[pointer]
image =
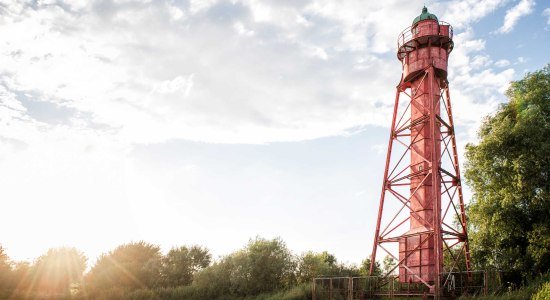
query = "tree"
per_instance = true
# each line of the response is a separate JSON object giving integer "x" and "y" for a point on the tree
{"x": 323, "y": 264}
{"x": 55, "y": 271}
{"x": 129, "y": 266}
{"x": 311, "y": 265}
{"x": 268, "y": 265}
{"x": 364, "y": 270}
{"x": 389, "y": 263}
{"x": 262, "y": 266}
{"x": 216, "y": 280}
{"x": 508, "y": 171}
{"x": 5, "y": 271}
{"x": 181, "y": 264}
{"x": 22, "y": 278}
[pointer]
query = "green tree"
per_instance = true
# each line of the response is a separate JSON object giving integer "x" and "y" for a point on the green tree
{"x": 129, "y": 266}
{"x": 262, "y": 266}
{"x": 22, "y": 276}
{"x": 324, "y": 264}
{"x": 389, "y": 263}
{"x": 508, "y": 171}
{"x": 6, "y": 273}
{"x": 57, "y": 270}
{"x": 543, "y": 293}
{"x": 364, "y": 269}
{"x": 454, "y": 260}
{"x": 268, "y": 265}
{"x": 181, "y": 264}
{"x": 311, "y": 265}
{"x": 215, "y": 280}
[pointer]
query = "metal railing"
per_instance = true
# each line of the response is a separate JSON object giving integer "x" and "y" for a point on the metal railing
{"x": 414, "y": 32}
{"x": 368, "y": 287}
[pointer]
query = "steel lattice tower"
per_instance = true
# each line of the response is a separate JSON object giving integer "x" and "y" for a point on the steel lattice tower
{"x": 422, "y": 178}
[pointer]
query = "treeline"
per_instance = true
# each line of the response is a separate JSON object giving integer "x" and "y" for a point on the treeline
{"x": 263, "y": 268}
{"x": 509, "y": 173}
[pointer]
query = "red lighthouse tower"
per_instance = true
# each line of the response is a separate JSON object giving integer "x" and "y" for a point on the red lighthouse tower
{"x": 421, "y": 208}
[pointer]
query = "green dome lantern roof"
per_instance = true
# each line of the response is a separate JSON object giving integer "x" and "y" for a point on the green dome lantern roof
{"x": 425, "y": 15}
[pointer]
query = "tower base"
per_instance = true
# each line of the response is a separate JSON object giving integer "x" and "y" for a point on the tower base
{"x": 416, "y": 250}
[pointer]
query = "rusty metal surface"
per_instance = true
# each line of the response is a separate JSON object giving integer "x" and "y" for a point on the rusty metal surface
{"x": 422, "y": 172}
{"x": 475, "y": 283}
{"x": 413, "y": 36}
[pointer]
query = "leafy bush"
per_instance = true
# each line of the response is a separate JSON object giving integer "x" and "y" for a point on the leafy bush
{"x": 543, "y": 293}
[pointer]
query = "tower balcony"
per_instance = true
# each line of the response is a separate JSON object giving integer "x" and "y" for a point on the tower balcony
{"x": 423, "y": 34}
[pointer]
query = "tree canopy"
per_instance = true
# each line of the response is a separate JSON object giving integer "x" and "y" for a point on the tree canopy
{"x": 262, "y": 266}
{"x": 5, "y": 268}
{"x": 130, "y": 266}
{"x": 138, "y": 270}
{"x": 57, "y": 269}
{"x": 508, "y": 171}
{"x": 181, "y": 264}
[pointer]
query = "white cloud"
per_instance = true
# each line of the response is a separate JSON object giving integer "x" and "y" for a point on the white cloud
{"x": 502, "y": 63}
{"x": 242, "y": 30}
{"x": 523, "y": 8}
{"x": 364, "y": 25}
{"x": 463, "y": 13}
{"x": 232, "y": 72}
{"x": 260, "y": 11}
{"x": 467, "y": 47}
{"x": 546, "y": 13}
{"x": 318, "y": 52}
{"x": 175, "y": 12}
{"x": 480, "y": 61}
{"x": 196, "y": 6}
{"x": 476, "y": 90}
{"x": 277, "y": 85}
{"x": 179, "y": 84}
{"x": 379, "y": 148}
{"x": 214, "y": 71}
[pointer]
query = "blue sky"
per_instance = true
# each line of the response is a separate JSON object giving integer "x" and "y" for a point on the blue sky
{"x": 211, "y": 122}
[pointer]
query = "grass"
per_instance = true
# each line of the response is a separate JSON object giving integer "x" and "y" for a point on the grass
{"x": 537, "y": 289}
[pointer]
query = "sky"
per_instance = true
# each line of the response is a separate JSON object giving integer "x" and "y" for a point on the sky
{"x": 212, "y": 122}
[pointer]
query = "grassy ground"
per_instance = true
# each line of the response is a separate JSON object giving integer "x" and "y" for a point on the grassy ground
{"x": 537, "y": 289}
{"x": 300, "y": 292}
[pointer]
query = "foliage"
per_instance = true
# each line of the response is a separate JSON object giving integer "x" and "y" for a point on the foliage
{"x": 181, "y": 264}
{"x": 56, "y": 274}
{"x": 5, "y": 269}
{"x": 389, "y": 263}
{"x": 535, "y": 288}
{"x": 262, "y": 266}
{"x": 543, "y": 293}
{"x": 364, "y": 270}
{"x": 454, "y": 260}
{"x": 58, "y": 269}
{"x": 509, "y": 173}
{"x": 267, "y": 266}
{"x": 311, "y": 265}
{"x": 324, "y": 264}
{"x": 21, "y": 276}
{"x": 299, "y": 292}
{"x": 228, "y": 278}
{"x": 217, "y": 279}
{"x": 129, "y": 266}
